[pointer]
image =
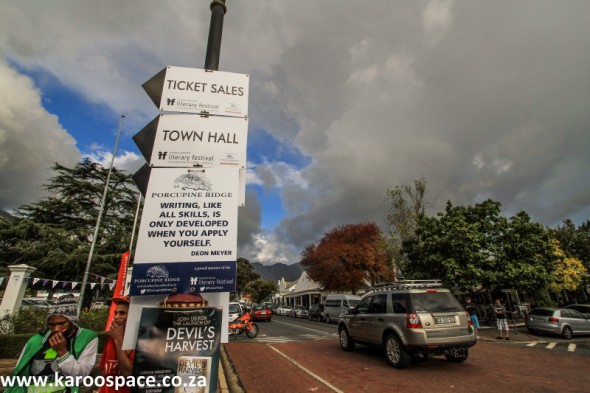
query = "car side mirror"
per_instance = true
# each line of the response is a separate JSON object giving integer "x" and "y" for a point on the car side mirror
{"x": 351, "y": 310}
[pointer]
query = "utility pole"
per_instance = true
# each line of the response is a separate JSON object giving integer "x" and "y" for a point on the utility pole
{"x": 102, "y": 203}
{"x": 218, "y": 10}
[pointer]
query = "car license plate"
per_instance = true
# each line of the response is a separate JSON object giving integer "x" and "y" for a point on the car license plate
{"x": 456, "y": 352}
{"x": 444, "y": 319}
{"x": 263, "y": 312}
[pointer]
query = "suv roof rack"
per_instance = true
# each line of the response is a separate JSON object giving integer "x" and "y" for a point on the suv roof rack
{"x": 408, "y": 284}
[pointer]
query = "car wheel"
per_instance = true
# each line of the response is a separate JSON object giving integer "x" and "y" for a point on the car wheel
{"x": 567, "y": 332}
{"x": 532, "y": 331}
{"x": 327, "y": 319}
{"x": 457, "y": 356}
{"x": 346, "y": 342}
{"x": 396, "y": 354}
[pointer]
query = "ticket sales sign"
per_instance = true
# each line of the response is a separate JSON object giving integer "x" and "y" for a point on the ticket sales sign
{"x": 195, "y": 90}
{"x": 188, "y": 140}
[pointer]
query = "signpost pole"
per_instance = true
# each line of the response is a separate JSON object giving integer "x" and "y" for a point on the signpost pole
{"x": 218, "y": 10}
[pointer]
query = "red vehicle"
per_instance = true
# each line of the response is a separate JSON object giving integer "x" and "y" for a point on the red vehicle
{"x": 244, "y": 324}
{"x": 261, "y": 313}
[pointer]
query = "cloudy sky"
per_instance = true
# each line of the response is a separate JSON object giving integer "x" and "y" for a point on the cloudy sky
{"x": 484, "y": 99}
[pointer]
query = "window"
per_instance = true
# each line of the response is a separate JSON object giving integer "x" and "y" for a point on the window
{"x": 379, "y": 304}
{"x": 363, "y": 306}
{"x": 398, "y": 301}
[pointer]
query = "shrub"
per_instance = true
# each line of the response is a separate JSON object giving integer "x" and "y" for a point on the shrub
{"x": 94, "y": 319}
{"x": 26, "y": 320}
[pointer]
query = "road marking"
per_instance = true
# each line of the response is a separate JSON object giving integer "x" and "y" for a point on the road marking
{"x": 531, "y": 344}
{"x": 302, "y": 327}
{"x": 328, "y": 384}
{"x": 571, "y": 347}
{"x": 279, "y": 339}
{"x": 551, "y": 345}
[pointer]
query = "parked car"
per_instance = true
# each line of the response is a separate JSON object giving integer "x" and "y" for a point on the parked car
{"x": 414, "y": 318}
{"x": 583, "y": 308}
{"x": 566, "y": 322}
{"x": 338, "y": 304}
{"x": 299, "y": 312}
{"x": 234, "y": 310}
{"x": 34, "y": 303}
{"x": 316, "y": 312}
{"x": 261, "y": 313}
{"x": 284, "y": 310}
{"x": 100, "y": 304}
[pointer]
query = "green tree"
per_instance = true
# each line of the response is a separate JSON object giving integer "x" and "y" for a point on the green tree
{"x": 468, "y": 246}
{"x": 525, "y": 255}
{"x": 348, "y": 258}
{"x": 245, "y": 275}
{"x": 574, "y": 241}
{"x": 55, "y": 233}
{"x": 260, "y": 290}
{"x": 406, "y": 205}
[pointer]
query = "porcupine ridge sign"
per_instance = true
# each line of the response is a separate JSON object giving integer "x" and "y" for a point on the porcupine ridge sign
{"x": 187, "y": 238}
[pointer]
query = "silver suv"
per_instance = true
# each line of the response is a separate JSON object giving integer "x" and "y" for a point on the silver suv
{"x": 411, "y": 318}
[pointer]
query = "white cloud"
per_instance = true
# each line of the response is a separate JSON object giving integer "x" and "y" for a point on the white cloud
{"x": 375, "y": 96}
{"x": 31, "y": 141}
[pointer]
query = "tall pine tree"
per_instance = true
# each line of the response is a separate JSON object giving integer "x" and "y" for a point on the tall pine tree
{"x": 54, "y": 234}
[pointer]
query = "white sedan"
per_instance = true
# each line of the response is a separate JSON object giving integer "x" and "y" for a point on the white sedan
{"x": 284, "y": 310}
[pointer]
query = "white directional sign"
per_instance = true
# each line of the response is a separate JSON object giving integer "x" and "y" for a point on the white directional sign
{"x": 189, "y": 215}
{"x": 195, "y": 90}
{"x": 184, "y": 140}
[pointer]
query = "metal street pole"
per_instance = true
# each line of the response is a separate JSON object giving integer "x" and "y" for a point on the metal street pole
{"x": 218, "y": 10}
{"x": 134, "y": 223}
{"x": 102, "y": 203}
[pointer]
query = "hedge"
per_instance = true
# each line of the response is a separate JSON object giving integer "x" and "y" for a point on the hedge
{"x": 11, "y": 345}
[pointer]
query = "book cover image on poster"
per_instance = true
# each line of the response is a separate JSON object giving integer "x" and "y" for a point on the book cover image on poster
{"x": 179, "y": 343}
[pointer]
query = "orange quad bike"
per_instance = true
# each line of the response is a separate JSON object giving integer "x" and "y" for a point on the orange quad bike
{"x": 243, "y": 324}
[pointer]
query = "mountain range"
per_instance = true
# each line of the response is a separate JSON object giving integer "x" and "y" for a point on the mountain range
{"x": 278, "y": 270}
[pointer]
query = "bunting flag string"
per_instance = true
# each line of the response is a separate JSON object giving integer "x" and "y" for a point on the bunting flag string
{"x": 57, "y": 284}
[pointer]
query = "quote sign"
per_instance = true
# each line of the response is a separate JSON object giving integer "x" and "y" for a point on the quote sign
{"x": 189, "y": 215}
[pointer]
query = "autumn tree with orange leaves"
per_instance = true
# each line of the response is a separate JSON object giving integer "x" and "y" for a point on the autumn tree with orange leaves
{"x": 348, "y": 257}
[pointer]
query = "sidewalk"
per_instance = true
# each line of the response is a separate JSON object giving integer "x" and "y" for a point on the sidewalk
{"x": 520, "y": 334}
{"x": 226, "y": 383}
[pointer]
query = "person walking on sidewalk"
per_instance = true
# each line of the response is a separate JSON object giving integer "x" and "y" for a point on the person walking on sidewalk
{"x": 501, "y": 320}
{"x": 63, "y": 349}
{"x": 472, "y": 310}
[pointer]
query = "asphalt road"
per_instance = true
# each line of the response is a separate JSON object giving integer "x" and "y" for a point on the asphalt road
{"x": 301, "y": 356}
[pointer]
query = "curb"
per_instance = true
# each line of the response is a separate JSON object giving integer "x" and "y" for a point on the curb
{"x": 229, "y": 381}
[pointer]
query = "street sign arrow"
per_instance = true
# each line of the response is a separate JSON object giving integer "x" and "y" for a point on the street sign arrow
{"x": 144, "y": 139}
{"x": 195, "y": 90}
{"x": 142, "y": 178}
{"x": 188, "y": 140}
